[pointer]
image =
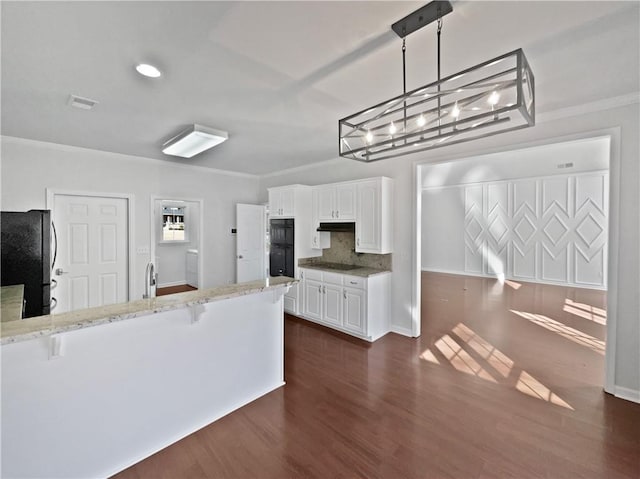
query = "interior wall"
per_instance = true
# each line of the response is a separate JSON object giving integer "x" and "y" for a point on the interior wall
{"x": 592, "y": 121}
{"x": 29, "y": 167}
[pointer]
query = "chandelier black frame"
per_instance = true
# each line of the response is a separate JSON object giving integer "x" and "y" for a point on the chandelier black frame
{"x": 493, "y": 97}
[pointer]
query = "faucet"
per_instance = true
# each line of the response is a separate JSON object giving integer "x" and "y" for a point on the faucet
{"x": 150, "y": 279}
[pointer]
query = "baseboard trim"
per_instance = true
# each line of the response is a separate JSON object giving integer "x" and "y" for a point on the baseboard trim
{"x": 401, "y": 331}
{"x": 520, "y": 280}
{"x": 627, "y": 394}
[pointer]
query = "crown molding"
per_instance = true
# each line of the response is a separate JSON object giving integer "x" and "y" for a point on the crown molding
{"x": 61, "y": 147}
{"x": 591, "y": 107}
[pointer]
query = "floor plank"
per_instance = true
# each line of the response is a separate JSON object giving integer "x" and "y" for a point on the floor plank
{"x": 182, "y": 288}
{"x": 505, "y": 381}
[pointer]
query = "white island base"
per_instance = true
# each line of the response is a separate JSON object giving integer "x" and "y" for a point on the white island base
{"x": 121, "y": 391}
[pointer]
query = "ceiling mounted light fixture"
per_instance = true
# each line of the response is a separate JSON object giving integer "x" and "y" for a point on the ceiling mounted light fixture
{"x": 148, "y": 70}
{"x": 493, "y": 97}
{"x": 193, "y": 140}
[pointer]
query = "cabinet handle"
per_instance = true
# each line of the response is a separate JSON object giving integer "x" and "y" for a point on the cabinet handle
{"x": 358, "y": 241}
{"x": 353, "y": 282}
{"x": 315, "y": 239}
{"x": 324, "y": 290}
{"x": 301, "y": 275}
{"x": 344, "y": 293}
{"x": 333, "y": 214}
{"x": 337, "y": 214}
{"x": 320, "y": 289}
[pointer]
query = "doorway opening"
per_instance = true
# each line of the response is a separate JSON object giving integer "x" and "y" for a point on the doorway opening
{"x": 513, "y": 266}
{"x": 176, "y": 244}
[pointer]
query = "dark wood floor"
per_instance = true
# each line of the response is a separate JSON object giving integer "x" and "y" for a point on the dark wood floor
{"x": 182, "y": 288}
{"x": 505, "y": 381}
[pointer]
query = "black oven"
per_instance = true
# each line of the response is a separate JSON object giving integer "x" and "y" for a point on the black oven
{"x": 281, "y": 252}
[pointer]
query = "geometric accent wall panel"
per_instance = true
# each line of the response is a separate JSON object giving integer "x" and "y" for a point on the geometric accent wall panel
{"x": 551, "y": 229}
{"x": 474, "y": 229}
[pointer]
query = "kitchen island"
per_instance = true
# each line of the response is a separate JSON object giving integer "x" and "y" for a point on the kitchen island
{"x": 89, "y": 393}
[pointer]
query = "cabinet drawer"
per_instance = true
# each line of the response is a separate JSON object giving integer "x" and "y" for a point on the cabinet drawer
{"x": 313, "y": 274}
{"x": 332, "y": 278}
{"x": 355, "y": 282}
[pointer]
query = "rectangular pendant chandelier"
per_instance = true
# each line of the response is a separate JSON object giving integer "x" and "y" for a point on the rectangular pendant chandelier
{"x": 490, "y": 98}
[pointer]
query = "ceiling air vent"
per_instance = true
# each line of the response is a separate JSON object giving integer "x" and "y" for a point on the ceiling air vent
{"x": 81, "y": 102}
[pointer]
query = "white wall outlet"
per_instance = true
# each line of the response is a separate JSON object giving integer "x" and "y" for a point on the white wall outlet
{"x": 142, "y": 250}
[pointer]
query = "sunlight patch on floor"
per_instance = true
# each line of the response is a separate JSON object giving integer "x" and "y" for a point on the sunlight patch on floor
{"x": 460, "y": 359}
{"x": 498, "y": 365}
{"x": 585, "y": 311}
{"x": 565, "y": 331}
{"x": 500, "y": 362}
{"x": 530, "y": 386}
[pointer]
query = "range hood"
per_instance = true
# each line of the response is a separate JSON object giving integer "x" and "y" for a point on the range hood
{"x": 339, "y": 227}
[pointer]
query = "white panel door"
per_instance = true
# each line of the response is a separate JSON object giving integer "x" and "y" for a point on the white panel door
{"x": 92, "y": 264}
{"x": 250, "y": 243}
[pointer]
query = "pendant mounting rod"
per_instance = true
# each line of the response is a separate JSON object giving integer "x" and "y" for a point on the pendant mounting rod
{"x": 422, "y": 17}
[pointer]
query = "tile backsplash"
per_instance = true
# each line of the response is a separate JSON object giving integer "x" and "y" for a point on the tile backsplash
{"x": 342, "y": 251}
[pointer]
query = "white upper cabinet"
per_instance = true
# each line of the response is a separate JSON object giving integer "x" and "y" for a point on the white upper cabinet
{"x": 374, "y": 222}
{"x": 319, "y": 239}
{"x": 282, "y": 202}
{"x": 336, "y": 202}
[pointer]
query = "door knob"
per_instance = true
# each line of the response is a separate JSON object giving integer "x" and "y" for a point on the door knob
{"x": 60, "y": 271}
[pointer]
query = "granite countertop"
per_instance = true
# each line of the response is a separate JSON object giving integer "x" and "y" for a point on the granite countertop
{"x": 353, "y": 270}
{"x": 11, "y": 301}
{"x": 31, "y": 328}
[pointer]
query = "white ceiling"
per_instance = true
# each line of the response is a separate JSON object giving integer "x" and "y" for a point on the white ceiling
{"x": 278, "y": 75}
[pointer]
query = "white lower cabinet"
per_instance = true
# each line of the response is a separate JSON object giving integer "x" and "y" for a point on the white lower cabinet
{"x": 312, "y": 299}
{"x": 353, "y": 310}
{"x": 355, "y": 305}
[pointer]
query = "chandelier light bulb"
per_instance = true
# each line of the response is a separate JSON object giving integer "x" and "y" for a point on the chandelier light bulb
{"x": 392, "y": 128}
{"x": 369, "y": 136}
{"x": 421, "y": 121}
{"x": 494, "y": 98}
{"x": 456, "y": 111}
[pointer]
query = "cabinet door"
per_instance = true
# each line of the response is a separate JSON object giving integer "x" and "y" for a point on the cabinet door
{"x": 353, "y": 310}
{"x": 368, "y": 218}
{"x": 287, "y": 202}
{"x": 313, "y": 299}
{"x": 326, "y": 203}
{"x": 346, "y": 202}
{"x": 332, "y": 304}
{"x": 274, "y": 203}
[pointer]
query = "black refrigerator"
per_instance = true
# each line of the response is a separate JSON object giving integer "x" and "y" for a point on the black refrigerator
{"x": 281, "y": 253}
{"x": 27, "y": 257}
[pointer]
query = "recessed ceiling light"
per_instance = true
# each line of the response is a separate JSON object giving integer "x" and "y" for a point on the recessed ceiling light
{"x": 148, "y": 70}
